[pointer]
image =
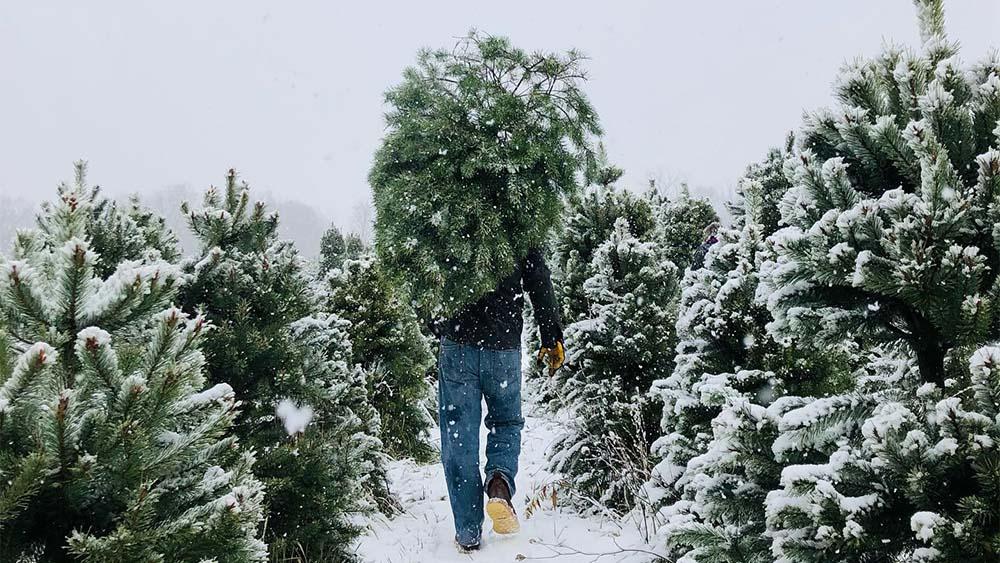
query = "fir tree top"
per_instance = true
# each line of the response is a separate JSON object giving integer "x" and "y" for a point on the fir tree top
{"x": 334, "y": 248}
{"x": 116, "y": 232}
{"x": 760, "y": 190}
{"x": 482, "y": 141}
{"x": 57, "y": 284}
{"x": 589, "y": 220}
{"x": 226, "y": 220}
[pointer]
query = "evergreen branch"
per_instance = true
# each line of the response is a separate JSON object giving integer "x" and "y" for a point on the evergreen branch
{"x": 930, "y": 13}
{"x": 23, "y": 486}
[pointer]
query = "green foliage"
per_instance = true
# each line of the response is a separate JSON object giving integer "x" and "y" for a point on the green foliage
{"x": 128, "y": 232}
{"x": 588, "y": 222}
{"x": 266, "y": 341}
{"x": 682, "y": 222}
{"x": 113, "y": 452}
{"x": 483, "y": 140}
{"x": 250, "y": 286}
{"x": 395, "y": 355}
{"x": 613, "y": 356}
{"x": 891, "y": 219}
{"x": 715, "y": 462}
{"x": 116, "y": 232}
{"x": 338, "y": 449}
{"x": 891, "y": 244}
{"x": 760, "y": 190}
{"x": 909, "y": 475}
{"x": 335, "y": 248}
{"x": 606, "y": 174}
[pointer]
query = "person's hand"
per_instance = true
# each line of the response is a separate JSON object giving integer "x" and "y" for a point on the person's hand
{"x": 552, "y": 357}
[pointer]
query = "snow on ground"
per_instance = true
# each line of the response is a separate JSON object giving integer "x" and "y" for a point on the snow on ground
{"x": 425, "y": 532}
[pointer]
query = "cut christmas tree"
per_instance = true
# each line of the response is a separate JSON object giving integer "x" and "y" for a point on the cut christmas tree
{"x": 483, "y": 141}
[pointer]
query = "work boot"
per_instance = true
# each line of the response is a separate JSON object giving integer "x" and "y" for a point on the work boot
{"x": 467, "y": 548}
{"x": 467, "y": 540}
{"x": 499, "y": 507}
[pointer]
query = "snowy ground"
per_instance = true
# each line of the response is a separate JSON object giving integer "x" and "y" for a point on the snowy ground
{"x": 425, "y": 532}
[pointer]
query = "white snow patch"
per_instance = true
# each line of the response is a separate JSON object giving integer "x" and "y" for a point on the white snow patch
{"x": 96, "y": 335}
{"x": 295, "y": 417}
{"x": 220, "y": 392}
{"x": 923, "y": 524}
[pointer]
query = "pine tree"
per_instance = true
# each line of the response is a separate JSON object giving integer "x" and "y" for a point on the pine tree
{"x": 389, "y": 346}
{"x": 128, "y": 232}
{"x": 334, "y": 449}
{"x": 334, "y": 248}
{"x": 912, "y": 470}
{"x": 589, "y": 221}
{"x": 118, "y": 232}
{"x": 113, "y": 449}
{"x": 715, "y": 456}
{"x": 251, "y": 286}
{"x": 760, "y": 190}
{"x": 681, "y": 222}
{"x": 890, "y": 221}
{"x": 613, "y": 357}
{"x": 483, "y": 141}
{"x": 891, "y": 242}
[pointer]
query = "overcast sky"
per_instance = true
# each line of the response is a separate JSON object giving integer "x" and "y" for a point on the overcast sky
{"x": 290, "y": 93}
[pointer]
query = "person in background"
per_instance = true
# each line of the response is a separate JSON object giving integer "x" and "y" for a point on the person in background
{"x": 480, "y": 359}
{"x": 711, "y": 237}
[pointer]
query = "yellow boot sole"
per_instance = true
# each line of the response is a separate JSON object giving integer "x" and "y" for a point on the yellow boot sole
{"x": 502, "y": 514}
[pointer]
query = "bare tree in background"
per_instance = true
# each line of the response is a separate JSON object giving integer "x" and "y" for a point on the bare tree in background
{"x": 15, "y": 213}
{"x": 363, "y": 220}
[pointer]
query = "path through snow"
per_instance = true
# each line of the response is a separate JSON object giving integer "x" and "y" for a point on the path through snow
{"x": 424, "y": 532}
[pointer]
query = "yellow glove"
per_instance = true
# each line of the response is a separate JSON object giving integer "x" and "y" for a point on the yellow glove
{"x": 552, "y": 357}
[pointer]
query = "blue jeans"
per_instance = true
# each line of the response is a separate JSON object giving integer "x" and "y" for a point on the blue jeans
{"x": 466, "y": 375}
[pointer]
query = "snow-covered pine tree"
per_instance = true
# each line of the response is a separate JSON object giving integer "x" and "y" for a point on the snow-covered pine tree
{"x": 892, "y": 238}
{"x": 762, "y": 187}
{"x": 890, "y": 222}
{"x": 613, "y": 357}
{"x": 390, "y": 347}
{"x": 113, "y": 450}
{"x": 333, "y": 432}
{"x": 483, "y": 141}
{"x": 715, "y": 462}
{"x": 118, "y": 232}
{"x": 912, "y": 471}
{"x": 681, "y": 223}
{"x": 588, "y": 222}
{"x": 121, "y": 232}
{"x": 334, "y": 248}
{"x": 251, "y": 286}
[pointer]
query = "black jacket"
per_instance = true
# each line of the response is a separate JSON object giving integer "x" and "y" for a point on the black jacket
{"x": 494, "y": 321}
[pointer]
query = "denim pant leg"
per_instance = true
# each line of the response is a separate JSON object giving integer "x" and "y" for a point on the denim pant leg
{"x": 501, "y": 383}
{"x": 460, "y": 400}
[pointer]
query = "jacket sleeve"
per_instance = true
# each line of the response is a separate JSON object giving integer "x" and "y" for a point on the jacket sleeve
{"x": 538, "y": 283}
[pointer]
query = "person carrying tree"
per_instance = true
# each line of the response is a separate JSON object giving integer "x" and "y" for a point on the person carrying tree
{"x": 484, "y": 143}
{"x": 481, "y": 359}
